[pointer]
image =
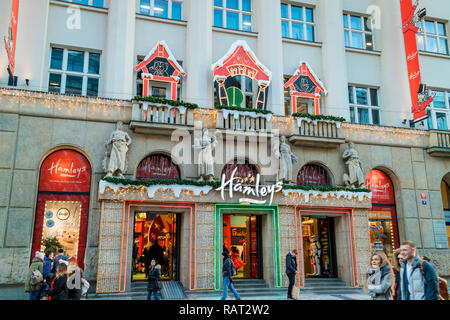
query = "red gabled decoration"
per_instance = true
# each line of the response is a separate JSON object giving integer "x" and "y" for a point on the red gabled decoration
{"x": 160, "y": 65}
{"x": 305, "y": 84}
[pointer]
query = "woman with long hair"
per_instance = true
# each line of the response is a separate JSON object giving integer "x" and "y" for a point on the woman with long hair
{"x": 396, "y": 263}
{"x": 154, "y": 277}
{"x": 380, "y": 277}
{"x": 58, "y": 289}
{"x": 75, "y": 274}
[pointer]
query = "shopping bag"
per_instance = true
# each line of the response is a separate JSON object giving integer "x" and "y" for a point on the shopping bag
{"x": 296, "y": 292}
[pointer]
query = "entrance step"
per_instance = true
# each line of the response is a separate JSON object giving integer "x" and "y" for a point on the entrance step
{"x": 328, "y": 286}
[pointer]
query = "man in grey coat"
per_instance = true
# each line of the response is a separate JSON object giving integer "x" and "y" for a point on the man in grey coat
{"x": 416, "y": 283}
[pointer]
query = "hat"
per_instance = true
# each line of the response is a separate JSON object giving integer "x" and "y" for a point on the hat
{"x": 39, "y": 255}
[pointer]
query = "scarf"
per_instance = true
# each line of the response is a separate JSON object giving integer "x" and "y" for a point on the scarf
{"x": 374, "y": 276}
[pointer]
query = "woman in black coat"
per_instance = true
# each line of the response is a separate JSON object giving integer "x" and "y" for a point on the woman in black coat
{"x": 58, "y": 289}
{"x": 154, "y": 276}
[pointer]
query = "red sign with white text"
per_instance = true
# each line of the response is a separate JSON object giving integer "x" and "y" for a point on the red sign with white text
{"x": 10, "y": 42}
{"x": 65, "y": 171}
{"x": 381, "y": 186}
{"x": 412, "y": 59}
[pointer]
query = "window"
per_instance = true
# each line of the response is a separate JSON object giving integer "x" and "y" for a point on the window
{"x": 313, "y": 175}
{"x": 246, "y": 85}
{"x": 304, "y": 105}
{"x": 364, "y": 106}
{"x": 358, "y": 33}
{"x": 74, "y": 72}
{"x": 93, "y": 3}
{"x": 245, "y": 170}
{"x": 297, "y": 22}
{"x": 169, "y": 9}
{"x": 432, "y": 37}
{"x": 157, "y": 166}
{"x": 439, "y": 110}
{"x": 233, "y": 14}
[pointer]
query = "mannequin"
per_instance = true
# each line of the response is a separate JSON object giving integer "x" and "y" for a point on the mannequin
{"x": 316, "y": 253}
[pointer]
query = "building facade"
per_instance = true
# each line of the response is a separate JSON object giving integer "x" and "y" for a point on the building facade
{"x": 80, "y": 70}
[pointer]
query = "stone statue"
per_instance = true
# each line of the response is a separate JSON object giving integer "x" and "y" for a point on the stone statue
{"x": 355, "y": 177}
{"x": 315, "y": 252}
{"x": 119, "y": 141}
{"x": 285, "y": 155}
{"x": 205, "y": 157}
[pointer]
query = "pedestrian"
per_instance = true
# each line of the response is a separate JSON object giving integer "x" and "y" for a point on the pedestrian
{"x": 154, "y": 276}
{"x": 397, "y": 259}
{"x": 291, "y": 270}
{"x": 58, "y": 288}
{"x": 75, "y": 283}
{"x": 228, "y": 271}
{"x": 34, "y": 279}
{"x": 443, "y": 286}
{"x": 414, "y": 283}
{"x": 380, "y": 277}
{"x": 48, "y": 263}
{"x": 58, "y": 258}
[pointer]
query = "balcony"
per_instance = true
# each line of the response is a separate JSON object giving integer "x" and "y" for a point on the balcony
{"x": 160, "y": 119}
{"x": 439, "y": 145}
{"x": 317, "y": 133}
{"x": 246, "y": 123}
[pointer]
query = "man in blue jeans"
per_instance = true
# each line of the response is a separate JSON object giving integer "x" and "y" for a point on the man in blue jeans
{"x": 227, "y": 272}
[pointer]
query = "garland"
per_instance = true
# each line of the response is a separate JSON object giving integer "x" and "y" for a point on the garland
{"x": 324, "y": 188}
{"x": 174, "y": 103}
{"x": 318, "y": 117}
{"x": 148, "y": 183}
{"x": 244, "y": 109}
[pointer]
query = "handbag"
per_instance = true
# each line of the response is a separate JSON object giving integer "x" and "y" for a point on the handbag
{"x": 296, "y": 292}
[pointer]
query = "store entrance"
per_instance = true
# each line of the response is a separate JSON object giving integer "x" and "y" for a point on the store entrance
{"x": 242, "y": 238}
{"x": 319, "y": 250}
{"x": 156, "y": 237}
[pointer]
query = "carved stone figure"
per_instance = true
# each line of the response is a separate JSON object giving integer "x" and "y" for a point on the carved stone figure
{"x": 205, "y": 157}
{"x": 286, "y": 156}
{"x": 355, "y": 176}
{"x": 119, "y": 141}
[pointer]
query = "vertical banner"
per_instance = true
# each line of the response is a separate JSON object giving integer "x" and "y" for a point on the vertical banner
{"x": 412, "y": 59}
{"x": 10, "y": 41}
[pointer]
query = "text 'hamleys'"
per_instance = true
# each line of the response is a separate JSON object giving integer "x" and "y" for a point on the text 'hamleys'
{"x": 66, "y": 171}
{"x": 235, "y": 184}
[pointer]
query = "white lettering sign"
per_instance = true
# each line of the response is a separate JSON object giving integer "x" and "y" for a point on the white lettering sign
{"x": 66, "y": 172}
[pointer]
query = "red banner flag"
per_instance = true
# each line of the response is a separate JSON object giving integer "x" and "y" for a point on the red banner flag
{"x": 10, "y": 42}
{"x": 155, "y": 230}
{"x": 412, "y": 59}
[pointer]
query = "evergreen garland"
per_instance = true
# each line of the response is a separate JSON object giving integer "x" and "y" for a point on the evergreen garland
{"x": 243, "y": 109}
{"x": 174, "y": 103}
{"x": 318, "y": 117}
{"x": 149, "y": 183}
{"x": 324, "y": 188}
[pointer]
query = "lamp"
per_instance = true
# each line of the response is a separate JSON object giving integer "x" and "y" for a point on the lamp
{"x": 421, "y": 13}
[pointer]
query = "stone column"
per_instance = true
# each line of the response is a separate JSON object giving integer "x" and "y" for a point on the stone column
{"x": 267, "y": 15}
{"x": 199, "y": 80}
{"x": 120, "y": 55}
{"x": 396, "y": 99}
{"x": 334, "y": 58}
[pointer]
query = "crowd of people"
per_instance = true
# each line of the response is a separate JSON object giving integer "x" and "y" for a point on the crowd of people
{"x": 57, "y": 277}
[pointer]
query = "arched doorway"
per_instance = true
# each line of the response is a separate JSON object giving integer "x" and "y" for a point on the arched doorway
{"x": 445, "y": 194}
{"x": 63, "y": 204}
{"x": 382, "y": 216}
{"x": 157, "y": 167}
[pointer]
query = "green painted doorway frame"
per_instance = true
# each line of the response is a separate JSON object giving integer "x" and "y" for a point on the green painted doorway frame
{"x": 218, "y": 236}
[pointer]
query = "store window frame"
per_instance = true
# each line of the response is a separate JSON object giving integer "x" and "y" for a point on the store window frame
{"x": 423, "y": 35}
{"x": 304, "y": 22}
{"x": 366, "y": 32}
{"x": 371, "y": 106}
{"x": 434, "y": 110}
{"x": 64, "y": 71}
{"x": 148, "y": 8}
{"x": 90, "y": 3}
{"x": 221, "y": 6}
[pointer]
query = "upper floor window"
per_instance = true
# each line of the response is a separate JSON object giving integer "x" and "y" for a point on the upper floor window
{"x": 233, "y": 14}
{"x": 169, "y": 9}
{"x": 297, "y": 22}
{"x": 74, "y": 72}
{"x": 245, "y": 171}
{"x": 358, "y": 33}
{"x": 364, "y": 106}
{"x": 313, "y": 175}
{"x": 157, "y": 167}
{"x": 93, "y": 3}
{"x": 438, "y": 113}
{"x": 432, "y": 37}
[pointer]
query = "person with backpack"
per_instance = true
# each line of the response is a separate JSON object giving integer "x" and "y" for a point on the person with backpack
{"x": 443, "y": 286}
{"x": 48, "y": 262}
{"x": 58, "y": 259}
{"x": 379, "y": 277}
{"x": 154, "y": 276}
{"x": 228, "y": 271}
{"x": 418, "y": 278}
{"x": 291, "y": 270}
{"x": 34, "y": 278}
{"x": 58, "y": 288}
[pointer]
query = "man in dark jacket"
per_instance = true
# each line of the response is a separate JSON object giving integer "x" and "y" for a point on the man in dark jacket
{"x": 227, "y": 272}
{"x": 48, "y": 260}
{"x": 291, "y": 270}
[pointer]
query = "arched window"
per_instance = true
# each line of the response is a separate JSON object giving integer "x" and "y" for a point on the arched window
{"x": 313, "y": 175}
{"x": 382, "y": 216}
{"x": 63, "y": 204}
{"x": 157, "y": 166}
{"x": 245, "y": 171}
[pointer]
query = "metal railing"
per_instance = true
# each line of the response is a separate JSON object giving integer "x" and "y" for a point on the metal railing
{"x": 244, "y": 121}
{"x": 162, "y": 114}
{"x": 318, "y": 128}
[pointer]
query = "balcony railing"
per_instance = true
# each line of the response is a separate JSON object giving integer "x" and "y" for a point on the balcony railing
{"x": 439, "y": 144}
{"x": 157, "y": 118}
{"x": 244, "y": 121}
{"x": 317, "y": 133}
